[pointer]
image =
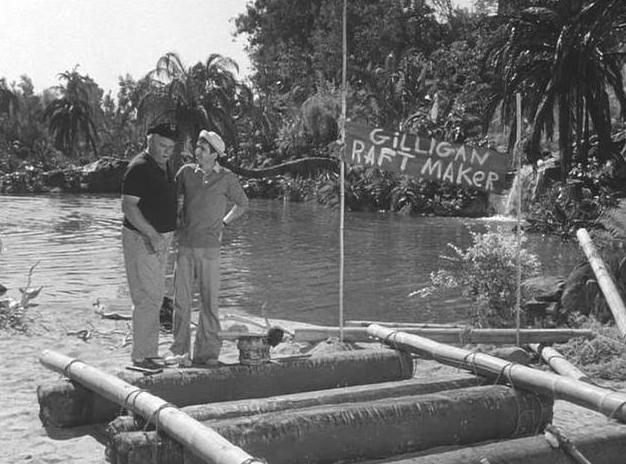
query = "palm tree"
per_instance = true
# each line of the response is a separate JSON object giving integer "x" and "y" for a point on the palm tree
{"x": 204, "y": 96}
{"x": 9, "y": 101}
{"x": 70, "y": 116}
{"x": 563, "y": 57}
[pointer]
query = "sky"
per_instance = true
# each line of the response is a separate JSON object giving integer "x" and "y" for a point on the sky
{"x": 112, "y": 38}
{"x": 109, "y": 38}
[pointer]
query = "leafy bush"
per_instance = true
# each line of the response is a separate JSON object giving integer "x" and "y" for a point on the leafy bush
{"x": 487, "y": 273}
{"x": 562, "y": 209}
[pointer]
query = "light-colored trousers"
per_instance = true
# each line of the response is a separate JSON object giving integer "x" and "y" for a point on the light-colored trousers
{"x": 145, "y": 271}
{"x": 201, "y": 265}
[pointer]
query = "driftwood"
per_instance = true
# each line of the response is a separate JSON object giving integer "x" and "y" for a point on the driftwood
{"x": 351, "y": 431}
{"x": 605, "y": 281}
{"x": 359, "y": 393}
{"x": 604, "y": 446}
{"x": 458, "y": 336}
{"x": 558, "y": 363}
{"x": 64, "y": 404}
{"x": 608, "y": 402}
{"x": 203, "y": 442}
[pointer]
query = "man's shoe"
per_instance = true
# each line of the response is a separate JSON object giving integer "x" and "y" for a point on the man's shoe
{"x": 148, "y": 363}
{"x": 181, "y": 360}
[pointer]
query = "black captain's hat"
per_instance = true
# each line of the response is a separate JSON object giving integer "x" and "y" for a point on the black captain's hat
{"x": 164, "y": 129}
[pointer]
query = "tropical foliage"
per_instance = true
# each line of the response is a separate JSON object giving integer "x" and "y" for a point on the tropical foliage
{"x": 563, "y": 57}
{"x": 420, "y": 66}
{"x": 487, "y": 272}
{"x": 71, "y": 116}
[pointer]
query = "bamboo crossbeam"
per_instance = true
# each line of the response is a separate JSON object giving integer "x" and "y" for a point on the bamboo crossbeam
{"x": 605, "y": 281}
{"x": 608, "y": 402}
{"x": 461, "y": 336}
{"x": 558, "y": 363}
{"x": 199, "y": 439}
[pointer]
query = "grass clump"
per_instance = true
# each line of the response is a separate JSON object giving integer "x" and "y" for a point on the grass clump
{"x": 603, "y": 356}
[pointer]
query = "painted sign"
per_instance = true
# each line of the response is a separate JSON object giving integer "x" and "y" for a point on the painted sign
{"x": 425, "y": 157}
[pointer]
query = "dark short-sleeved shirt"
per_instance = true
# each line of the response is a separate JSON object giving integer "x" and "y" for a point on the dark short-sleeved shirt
{"x": 156, "y": 190}
{"x": 206, "y": 196}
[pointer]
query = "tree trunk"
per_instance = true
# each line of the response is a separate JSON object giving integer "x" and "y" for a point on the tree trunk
{"x": 303, "y": 166}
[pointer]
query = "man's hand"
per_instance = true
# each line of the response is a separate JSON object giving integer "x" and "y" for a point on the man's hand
{"x": 156, "y": 243}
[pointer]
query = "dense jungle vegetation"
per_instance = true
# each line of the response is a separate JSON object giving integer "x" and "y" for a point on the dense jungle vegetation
{"x": 412, "y": 65}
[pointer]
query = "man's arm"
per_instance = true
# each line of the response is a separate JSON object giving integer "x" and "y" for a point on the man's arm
{"x": 235, "y": 212}
{"x": 238, "y": 196}
{"x": 130, "y": 208}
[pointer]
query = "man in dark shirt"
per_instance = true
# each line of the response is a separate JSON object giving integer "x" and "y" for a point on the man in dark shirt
{"x": 149, "y": 204}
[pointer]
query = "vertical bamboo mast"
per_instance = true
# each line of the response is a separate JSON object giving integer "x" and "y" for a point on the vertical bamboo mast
{"x": 342, "y": 164}
{"x": 518, "y": 231}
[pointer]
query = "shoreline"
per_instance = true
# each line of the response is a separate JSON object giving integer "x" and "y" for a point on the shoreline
{"x": 26, "y": 440}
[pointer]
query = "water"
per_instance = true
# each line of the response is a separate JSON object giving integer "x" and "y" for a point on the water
{"x": 283, "y": 255}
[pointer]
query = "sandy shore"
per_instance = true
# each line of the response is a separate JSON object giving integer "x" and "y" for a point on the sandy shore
{"x": 25, "y": 440}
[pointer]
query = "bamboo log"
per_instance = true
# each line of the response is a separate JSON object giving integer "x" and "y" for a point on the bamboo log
{"x": 605, "y": 281}
{"x": 354, "y": 394}
{"x": 461, "y": 336}
{"x": 62, "y": 404}
{"x": 351, "y": 431}
{"x": 558, "y": 363}
{"x": 604, "y": 446}
{"x": 420, "y": 325}
{"x": 203, "y": 442}
{"x": 608, "y": 402}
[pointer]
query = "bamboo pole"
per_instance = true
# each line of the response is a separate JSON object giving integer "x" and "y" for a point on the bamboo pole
{"x": 421, "y": 325}
{"x": 342, "y": 163}
{"x": 608, "y": 402}
{"x": 199, "y": 439}
{"x": 558, "y": 363}
{"x": 518, "y": 231}
{"x": 605, "y": 281}
{"x": 460, "y": 336}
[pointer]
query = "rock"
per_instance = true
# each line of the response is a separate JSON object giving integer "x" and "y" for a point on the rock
{"x": 103, "y": 175}
{"x": 575, "y": 297}
{"x": 544, "y": 288}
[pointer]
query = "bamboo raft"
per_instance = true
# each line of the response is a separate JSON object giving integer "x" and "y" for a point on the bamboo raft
{"x": 349, "y": 406}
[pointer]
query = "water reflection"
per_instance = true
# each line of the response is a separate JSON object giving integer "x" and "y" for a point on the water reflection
{"x": 283, "y": 254}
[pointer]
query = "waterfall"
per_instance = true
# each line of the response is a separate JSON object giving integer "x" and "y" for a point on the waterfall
{"x": 505, "y": 204}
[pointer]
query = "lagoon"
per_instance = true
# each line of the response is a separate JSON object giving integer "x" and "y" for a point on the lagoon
{"x": 281, "y": 255}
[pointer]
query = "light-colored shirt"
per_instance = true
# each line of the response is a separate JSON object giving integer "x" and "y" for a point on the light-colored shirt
{"x": 206, "y": 195}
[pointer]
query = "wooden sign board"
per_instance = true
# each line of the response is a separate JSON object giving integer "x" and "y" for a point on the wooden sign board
{"x": 425, "y": 157}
